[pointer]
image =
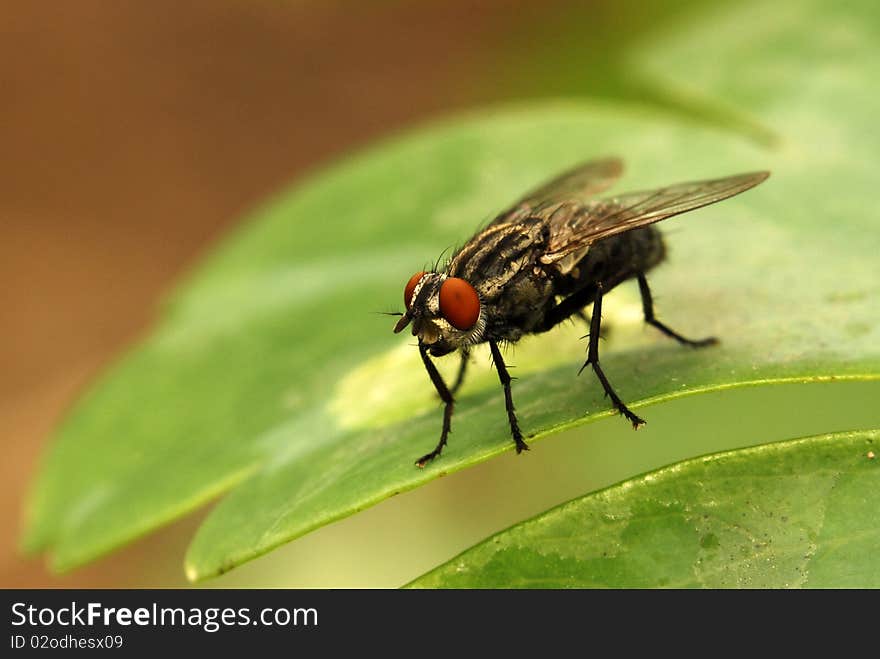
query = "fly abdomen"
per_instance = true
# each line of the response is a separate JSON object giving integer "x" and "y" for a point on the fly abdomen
{"x": 616, "y": 259}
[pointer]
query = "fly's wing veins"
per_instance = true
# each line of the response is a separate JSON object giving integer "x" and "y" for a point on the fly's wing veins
{"x": 574, "y": 227}
{"x": 574, "y": 186}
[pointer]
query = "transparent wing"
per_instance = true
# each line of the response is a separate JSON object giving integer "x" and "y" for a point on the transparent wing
{"x": 576, "y": 226}
{"x": 576, "y": 186}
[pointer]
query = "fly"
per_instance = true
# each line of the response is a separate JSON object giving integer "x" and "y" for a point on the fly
{"x": 542, "y": 261}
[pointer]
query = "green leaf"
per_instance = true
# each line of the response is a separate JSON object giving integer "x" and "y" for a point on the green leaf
{"x": 792, "y": 514}
{"x": 271, "y": 373}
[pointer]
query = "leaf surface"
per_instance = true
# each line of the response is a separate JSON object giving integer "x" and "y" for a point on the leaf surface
{"x": 270, "y": 374}
{"x": 790, "y": 514}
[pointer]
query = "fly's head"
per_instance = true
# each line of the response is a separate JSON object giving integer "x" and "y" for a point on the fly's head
{"x": 445, "y": 312}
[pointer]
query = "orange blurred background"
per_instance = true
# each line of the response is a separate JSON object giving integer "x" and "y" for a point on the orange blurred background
{"x": 134, "y": 134}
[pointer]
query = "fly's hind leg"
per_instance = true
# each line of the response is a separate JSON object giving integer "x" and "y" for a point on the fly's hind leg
{"x": 648, "y": 308}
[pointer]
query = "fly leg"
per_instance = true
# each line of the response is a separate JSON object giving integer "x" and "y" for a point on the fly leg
{"x": 573, "y": 305}
{"x": 584, "y": 317}
{"x": 462, "y": 368}
{"x": 505, "y": 378}
{"x": 445, "y": 396}
{"x": 593, "y": 360}
{"x": 648, "y": 308}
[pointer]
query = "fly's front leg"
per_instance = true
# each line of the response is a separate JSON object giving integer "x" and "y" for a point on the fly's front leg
{"x": 448, "y": 401}
{"x": 505, "y": 378}
{"x": 648, "y": 308}
{"x": 462, "y": 368}
{"x": 593, "y": 360}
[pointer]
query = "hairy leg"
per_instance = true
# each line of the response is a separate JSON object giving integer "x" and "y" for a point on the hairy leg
{"x": 462, "y": 368}
{"x": 593, "y": 360}
{"x": 648, "y": 308}
{"x": 448, "y": 402}
{"x": 505, "y": 378}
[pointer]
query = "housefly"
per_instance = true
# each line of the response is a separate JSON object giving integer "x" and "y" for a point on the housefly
{"x": 542, "y": 261}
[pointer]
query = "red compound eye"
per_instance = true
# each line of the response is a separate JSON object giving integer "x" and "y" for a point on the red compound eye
{"x": 410, "y": 288}
{"x": 459, "y": 303}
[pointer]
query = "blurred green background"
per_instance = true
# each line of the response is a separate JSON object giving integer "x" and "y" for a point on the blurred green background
{"x": 134, "y": 135}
